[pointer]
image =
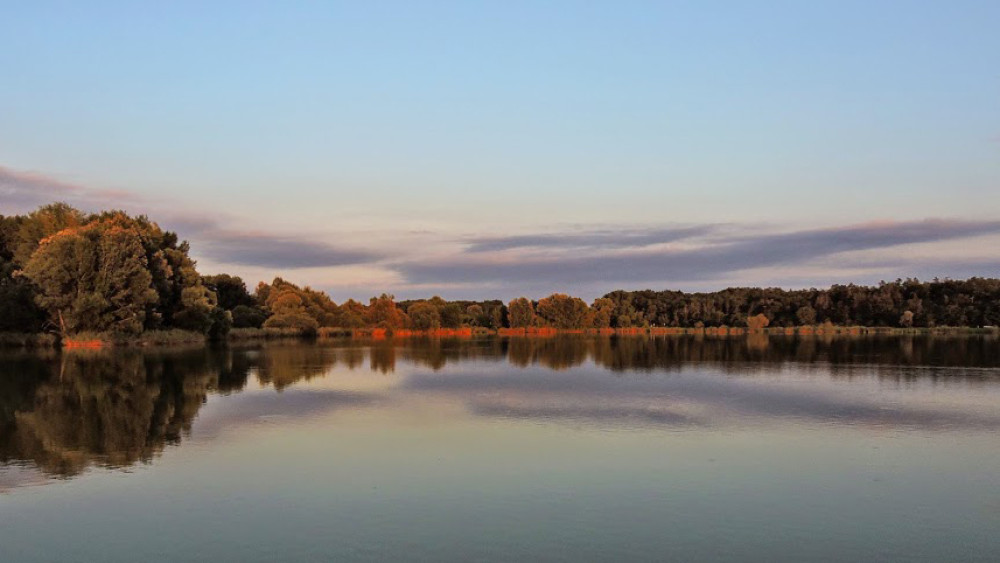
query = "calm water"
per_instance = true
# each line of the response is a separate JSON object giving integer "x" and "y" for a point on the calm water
{"x": 562, "y": 449}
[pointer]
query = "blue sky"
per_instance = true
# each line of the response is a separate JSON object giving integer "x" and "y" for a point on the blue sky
{"x": 376, "y": 145}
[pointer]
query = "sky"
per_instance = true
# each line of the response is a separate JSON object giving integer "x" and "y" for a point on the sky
{"x": 498, "y": 149}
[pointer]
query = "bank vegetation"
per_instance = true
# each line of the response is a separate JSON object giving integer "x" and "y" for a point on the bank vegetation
{"x": 112, "y": 278}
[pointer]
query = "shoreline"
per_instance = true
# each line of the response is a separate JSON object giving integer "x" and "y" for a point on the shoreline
{"x": 178, "y": 337}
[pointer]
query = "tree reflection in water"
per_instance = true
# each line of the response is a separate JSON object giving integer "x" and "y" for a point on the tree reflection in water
{"x": 65, "y": 412}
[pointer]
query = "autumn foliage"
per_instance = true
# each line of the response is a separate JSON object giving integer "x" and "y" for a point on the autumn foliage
{"x": 65, "y": 271}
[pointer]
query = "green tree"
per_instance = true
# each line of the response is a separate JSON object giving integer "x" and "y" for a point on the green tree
{"x": 287, "y": 307}
{"x": 424, "y": 316}
{"x": 244, "y": 316}
{"x": 521, "y": 313}
{"x": 39, "y": 224}
{"x": 451, "y": 315}
{"x": 93, "y": 278}
{"x": 602, "y": 309}
{"x": 477, "y": 315}
{"x": 382, "y": 312}
{"x": 198, "y": 311}
{"x": 230, "y": 291}
{"x": 180, "y": 292}
{"x": 352, "y": 314}
{"x": 285, "y": 298}
{"x": 806, "y": 315}
{"x": 498, "y": 315}
{"x": 293, "y": 319}
{"x": 563, "y": 311}
{"x": 18, "y": 310}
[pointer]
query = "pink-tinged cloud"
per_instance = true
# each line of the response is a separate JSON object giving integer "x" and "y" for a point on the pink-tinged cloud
{"x": 22, "y": 192}
{"x": 587, "y": 262}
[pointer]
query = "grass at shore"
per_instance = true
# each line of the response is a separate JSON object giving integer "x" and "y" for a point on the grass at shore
{"x": 28, "y": 340}
{"x": 240, "y": 334}
{"x": 822, "y": 330}
{"x": 148, "y": 338}
{"x": 182, "y": 337}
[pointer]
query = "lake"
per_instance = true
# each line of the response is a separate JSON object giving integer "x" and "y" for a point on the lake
{"x": 569, "y": 448}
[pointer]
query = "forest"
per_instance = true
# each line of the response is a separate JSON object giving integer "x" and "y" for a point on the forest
{"x": 66, "y": 272}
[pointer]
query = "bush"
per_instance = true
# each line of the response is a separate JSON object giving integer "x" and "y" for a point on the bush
{"x": 248, "y": 317}
{"x": 294, "y": 320}
{"x": 28, "y": 340}
{"x": 265, "y": 333}
{"x": 334, "y": 332}
{"x": 222, "y": 323}
{"x": 148, "y": 338}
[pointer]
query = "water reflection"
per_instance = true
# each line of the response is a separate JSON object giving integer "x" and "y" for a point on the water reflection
{"x": 62, "y": 413}
{"x": 65, "y": 413}
{"x": 627, "y": 353}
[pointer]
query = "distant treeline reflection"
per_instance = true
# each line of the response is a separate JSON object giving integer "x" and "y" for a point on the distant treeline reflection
{"x": 638, "y": 353}
{"x": 65, "y": 412}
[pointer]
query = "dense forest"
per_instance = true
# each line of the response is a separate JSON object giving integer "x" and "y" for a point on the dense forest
{"x": 67, "y": 272}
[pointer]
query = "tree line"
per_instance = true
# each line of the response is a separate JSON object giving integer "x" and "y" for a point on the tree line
{"x": 974, "y": 302}
{"x": 66, "y": 271}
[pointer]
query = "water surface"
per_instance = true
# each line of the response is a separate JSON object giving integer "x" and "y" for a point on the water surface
{"x": 562, "y": 449}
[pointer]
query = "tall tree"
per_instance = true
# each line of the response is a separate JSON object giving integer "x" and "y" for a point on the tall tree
{"x": 230, "y": 291}
{"x": 563, "y": 311}
{"x": 602, "y": 309}
{"x": 287, "y": 307}
{"x": 94, "y": 277}
{"x": 382, "y": 312}
{"x": 521, "y": 313}
{"x": 806, "y": 315}
{"x": 182, "y": 301}
{"x": 18, "y": 310}
{"x": 41, "y": 223}
{"x": 424, "y": 316}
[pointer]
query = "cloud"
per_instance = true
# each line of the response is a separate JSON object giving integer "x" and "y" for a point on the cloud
{"x": 276, "y": 251}
{"x": 584, "y": 262}
{"x": 22, "y": 192}
{"x": 591, "y": 239}
{"x": 690, "y": 264}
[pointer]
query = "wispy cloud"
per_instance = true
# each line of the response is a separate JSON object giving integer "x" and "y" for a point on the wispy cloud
{"x": 588, "y": 262}
{"x": 275, "y": 251}
{"x": 688, "y": 264}
{"x": 609, "y": 238}
{"x": 21, "y": 192}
